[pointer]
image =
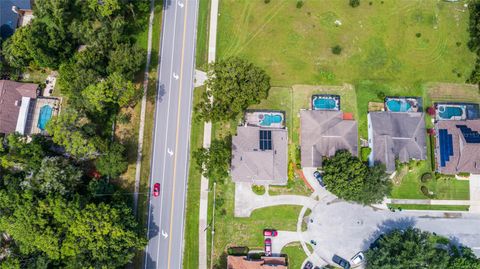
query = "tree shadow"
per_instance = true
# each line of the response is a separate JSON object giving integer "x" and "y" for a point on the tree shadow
{"x": 386, "y": 227}
{"x": 152, "y": 231}
{"x": 221, "y": 261}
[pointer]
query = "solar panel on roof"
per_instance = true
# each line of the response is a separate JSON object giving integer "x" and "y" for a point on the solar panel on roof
{"x": 265, "y": 140}
{"x": 446, "y": 146}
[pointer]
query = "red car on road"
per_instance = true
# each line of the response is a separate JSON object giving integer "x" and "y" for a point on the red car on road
{"x": 270, "y": 232}
{"x": 268, "y": 247}
{"x": 156, "y": 189}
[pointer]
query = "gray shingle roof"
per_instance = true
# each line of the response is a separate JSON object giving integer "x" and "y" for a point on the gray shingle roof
{"x": 250, "y": 164}
{"x": 8, "y": 18}
{"x": 396, "y": 135}
{"x": 325, "y": 132}
{"x": 11, "y": 94}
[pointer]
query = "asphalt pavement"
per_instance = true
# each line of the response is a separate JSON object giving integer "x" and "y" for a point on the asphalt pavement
{"x": 169, "y": 165}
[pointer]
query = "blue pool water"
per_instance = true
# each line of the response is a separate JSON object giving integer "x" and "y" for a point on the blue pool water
{"x": 268, "y": 119}
{"x": 398, "y": 106}
{"x": 44, "y": 116}
{"x": 448, "y": 112}
{"x": 324, "y": 104}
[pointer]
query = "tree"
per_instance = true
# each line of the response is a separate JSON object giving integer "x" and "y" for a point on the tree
{"x": 111, "y": 93}
{"x": 349, "y": 178}
{"x": 412, "y": 248}
{"x": 67, "y": 131}
{"x": 126, "y": 59}
{"x": 234, "y": 85}
{"x": 55, "y": 175}
{"x": 354, "y": 3}
{"x": 214, "y": 162}
{"x": 105, "y": 7}
{"x": 19, "y": 153}
{"x": 112, "y": 163}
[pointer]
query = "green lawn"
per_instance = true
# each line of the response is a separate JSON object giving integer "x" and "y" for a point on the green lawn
{"x": 231, "y": 231}
{"x": 295, "y": 255}
{"x": 190, "y": 259}
{"x": 431, "y": 207}
{"x": 379, "y": 41}
{"x": 201, "y": 54}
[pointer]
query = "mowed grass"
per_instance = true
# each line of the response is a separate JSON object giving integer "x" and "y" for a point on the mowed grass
{"x": 201, "y": 54}
{"x": 397, "y": 41}
{"x": 232, "y": 231}
{"x": 190, "y": 259}
{"x": 295, "y": 255}
{"x": 431, "y": 207}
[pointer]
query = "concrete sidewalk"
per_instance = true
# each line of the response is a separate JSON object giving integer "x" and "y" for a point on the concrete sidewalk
{"x": 246, "y": 200}
{"x": 207, "y": 137}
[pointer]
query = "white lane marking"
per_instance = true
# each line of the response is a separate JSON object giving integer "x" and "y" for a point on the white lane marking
{"x": 164, "y": 234}
{"x": 175, "y": 76}
{"x": 180, "y": 4}
{"x": 170, "y": 152}
{"x": 168, "y": 117}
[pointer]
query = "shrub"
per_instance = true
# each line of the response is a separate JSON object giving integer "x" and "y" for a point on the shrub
{"x": 458, "y": 44}
{"x": 237, "y": 251}
{"x": 258, "y": 189}
{"x": 426, "y": 177}
{"x": 124, "y": 118}
{"x": 299, "y": 4}
{"x": 298, "y": 157}
{"x": 418, "y": 35}
{"x": 266, "y": 1}
{"x": 424, "y": 190}
{"x": 365, "y": 152}
{"x": 354, "y": 3}
{"x": 463, "y": 174}
{"x": 337, "y": 49}
{"x": 381, "y": 95}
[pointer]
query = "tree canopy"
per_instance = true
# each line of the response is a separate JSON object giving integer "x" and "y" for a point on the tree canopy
{"x": 234, "y": 85}
{"x": 214, "y": 162}
{"x": 349, "y": 178}
{"x": 412, "y": 248}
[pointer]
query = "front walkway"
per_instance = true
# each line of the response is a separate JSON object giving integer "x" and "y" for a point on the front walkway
{"x": 475, "y": 193}
{"x": 246, "y": 200}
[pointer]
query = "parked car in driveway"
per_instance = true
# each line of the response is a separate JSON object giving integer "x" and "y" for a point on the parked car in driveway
{"x": 358, "y": 259}
{"x": 341, "y": 261}
{"x": 319, "y": 178}
{"x": 270, "y": 232}
{"x": 308, "y": 265}
{"x": 156, "y": 189}
{"x": 268, "y": 247}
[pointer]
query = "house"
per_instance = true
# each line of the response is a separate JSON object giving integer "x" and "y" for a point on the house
{"x": 323, "y": 133}
{"x": 13, "y": 14}
{"x": 22, "y": 110}
{"x": 396, "y": 136}
{"x": 458, "y": 146}
{"x": 259, "y": 155}
{"x": 242, "y": 262}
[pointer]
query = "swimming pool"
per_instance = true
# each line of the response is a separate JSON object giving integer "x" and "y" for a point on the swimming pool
{"x": 398, "y": 106}
{"x": 269, "y": 119}
{"x": 448, "y": 112}
{"x": 325, "y": 104}
{"x": 44, "y": 116}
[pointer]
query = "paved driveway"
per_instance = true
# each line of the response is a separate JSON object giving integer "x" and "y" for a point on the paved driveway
{"x": 345, "y": 229}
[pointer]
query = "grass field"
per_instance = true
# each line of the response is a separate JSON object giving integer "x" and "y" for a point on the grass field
{"x": 190, "y": 258}
{"x": 379, "y": 41}
{"x": 295, "y": 255}
{"x": 431, "y": 207}
{"x": 231, "y": 231}
{"x": 201, "y": 54}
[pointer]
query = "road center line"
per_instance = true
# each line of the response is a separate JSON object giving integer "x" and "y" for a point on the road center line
{"x": 177, "y": 132}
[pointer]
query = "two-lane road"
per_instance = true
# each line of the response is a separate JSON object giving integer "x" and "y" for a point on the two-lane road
{"x": 169, "y": 165}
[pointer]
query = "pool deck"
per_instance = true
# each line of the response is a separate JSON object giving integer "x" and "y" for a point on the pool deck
{"x": 34, "y": 113}
{"x": 462, "y": 107}
{"x": 414, "y": 102}
{"x": 334, "y": 97}
{"x": 253, "y": 118}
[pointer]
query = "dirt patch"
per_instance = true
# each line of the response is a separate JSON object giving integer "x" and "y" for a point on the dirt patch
{"x": 453, "y": 92}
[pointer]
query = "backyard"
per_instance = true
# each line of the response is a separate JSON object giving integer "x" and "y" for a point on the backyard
{"x": 394, "y": 41}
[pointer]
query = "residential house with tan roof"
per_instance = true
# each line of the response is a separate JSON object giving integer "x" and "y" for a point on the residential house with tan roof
{"x": 396, "y": 136}
{"x": 458, "y": 146}
{"x": 242, "y": 262}
{"x": 323, "y": 133}
{"x": 15, "y": 101}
